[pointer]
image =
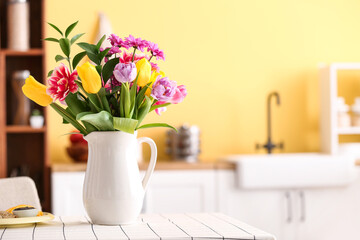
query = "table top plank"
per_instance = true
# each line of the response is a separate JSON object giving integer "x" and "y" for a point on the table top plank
{"x": 258, "y": 233}
{"x": 77, "y": 228}
{"x": 53, "y": 228}
{"x": 109, "y": 232}
{"x": 191, "y": 226}
{"x": 139, "y": 231}
{"x": 163, "y": 228}
{"x": 23, "y": 233}
{"x": 1, "y": 232}
{"x": 223, "y": 228}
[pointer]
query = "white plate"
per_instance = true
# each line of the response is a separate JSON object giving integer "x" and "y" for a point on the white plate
{"x": 8, "y": 222}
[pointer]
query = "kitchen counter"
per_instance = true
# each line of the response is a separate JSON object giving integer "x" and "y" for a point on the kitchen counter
{"x": 161, "y": 165}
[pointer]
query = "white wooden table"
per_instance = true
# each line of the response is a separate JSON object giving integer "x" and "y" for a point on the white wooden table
{"x": 156, "y": 226}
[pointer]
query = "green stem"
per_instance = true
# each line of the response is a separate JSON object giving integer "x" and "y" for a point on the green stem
{"x": 151, "y": 57}
{"x": 102, "y": 106}
{"x": 133, "y": 54}
{"x": 68, "y": 59}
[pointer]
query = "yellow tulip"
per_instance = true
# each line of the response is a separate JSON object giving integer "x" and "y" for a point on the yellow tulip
{"x": 144, "y": 67}
{"x": 90, "y": 78}
{"x": 153, "y": 78}
{"x": 36, "y": 92}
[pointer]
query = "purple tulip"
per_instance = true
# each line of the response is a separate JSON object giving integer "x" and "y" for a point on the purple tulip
{"x": 125, "y": 72}
{"x": 163, "y": 89}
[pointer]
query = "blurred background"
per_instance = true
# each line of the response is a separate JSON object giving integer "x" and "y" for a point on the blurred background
{"x": 230, "y": 55}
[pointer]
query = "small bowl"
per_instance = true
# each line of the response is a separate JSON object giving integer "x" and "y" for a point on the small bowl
{"x": 32, "y": 212}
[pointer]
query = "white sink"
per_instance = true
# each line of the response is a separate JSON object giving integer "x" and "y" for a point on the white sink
{"x": 296, "y": 170}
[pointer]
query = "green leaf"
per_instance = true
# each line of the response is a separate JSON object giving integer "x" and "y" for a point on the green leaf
{"x": 141, "y": 95}
{"x": 69, "y": 111}
{"x": 49, "y": 73}
{"x": 103, "y": 120}
{"x": 95, "y": 101}
{"x": 78, "y": 58}
{"x": 62, "y": 112}
{"x": 88, "y": 47}
{"x": 103, "y": 53}
{"x": 109, "y": 68}
{"x": 151, "y": 125}
{"x": 52, "y": 40}
{"x": 59, "y": 58}
{"x": 115, "y": 106}
{"x": 153, "y": 107}
{"x": 121, "y": 102}
{"x": 70, "y": 28}
{"x": 81, "y": 114}
{"x": 76, "y": 106}
{"x": 105, "y": 103}
{"x": 125, "y": 124}
{"x": 75, "y": 38}
{"x": 65, "y": 46}
{"x": 93, "y": 57}
{"x": 144, "y": 110}
{"x": 56, "y": 28}
{"x": 98, "y": 45}
{"x": 133, "y": 96}
{"x": 98, "y": 69}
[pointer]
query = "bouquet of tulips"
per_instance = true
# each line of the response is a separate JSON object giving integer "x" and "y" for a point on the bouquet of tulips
{"x": 114, "y": 92}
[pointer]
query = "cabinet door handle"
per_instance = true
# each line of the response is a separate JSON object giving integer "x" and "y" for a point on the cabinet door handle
{"x": 289, "y": 208}
{"x": 302, "y": 206}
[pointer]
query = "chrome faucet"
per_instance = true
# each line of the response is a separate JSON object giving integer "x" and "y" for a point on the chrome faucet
{"x": 269, "y": 145}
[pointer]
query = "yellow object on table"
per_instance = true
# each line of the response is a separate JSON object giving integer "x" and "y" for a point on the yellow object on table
{"x": 10, "y": 210}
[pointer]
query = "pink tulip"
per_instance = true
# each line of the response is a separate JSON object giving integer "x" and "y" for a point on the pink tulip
{"x": 160, "y": 109}
{"x": 179, "y": 95}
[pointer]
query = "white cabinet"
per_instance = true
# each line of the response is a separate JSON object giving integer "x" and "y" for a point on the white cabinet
{"x": 66, "y": 193}
{"x": 168, "y": 192}
{"x": 181, "y": 191}
{"x": 295, "y": 214}
{"x": 331, "y": 213}
{"x": 269, "y": 210}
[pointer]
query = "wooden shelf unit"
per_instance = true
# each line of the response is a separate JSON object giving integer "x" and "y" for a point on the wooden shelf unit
{"x": 22, "y": 148}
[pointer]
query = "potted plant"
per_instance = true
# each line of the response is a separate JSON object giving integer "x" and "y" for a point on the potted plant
{"x": 36, "y": 119}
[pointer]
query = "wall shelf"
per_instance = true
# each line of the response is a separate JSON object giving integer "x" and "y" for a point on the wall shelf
{"x": 349, "y": 131}
{"x": 30, "y": 52}
{"x": 329, "y": 131}
{"x": 24, "y": 129}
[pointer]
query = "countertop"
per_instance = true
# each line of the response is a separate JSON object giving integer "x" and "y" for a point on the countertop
{"x": 161, "y": 165}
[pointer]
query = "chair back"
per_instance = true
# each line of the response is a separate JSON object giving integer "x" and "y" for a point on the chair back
{"x": 16, "y": 191}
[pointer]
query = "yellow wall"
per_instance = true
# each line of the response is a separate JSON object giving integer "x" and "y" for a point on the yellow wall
{"x": 230, "y": 54}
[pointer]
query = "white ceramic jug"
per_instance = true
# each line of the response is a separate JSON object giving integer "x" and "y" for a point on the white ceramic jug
{"x": 113, "y": 190}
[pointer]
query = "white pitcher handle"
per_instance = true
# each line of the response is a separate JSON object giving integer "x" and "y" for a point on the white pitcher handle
{"x": 152, "y": 163}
